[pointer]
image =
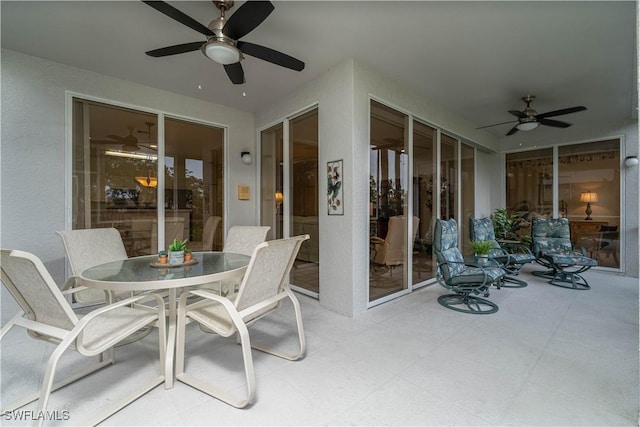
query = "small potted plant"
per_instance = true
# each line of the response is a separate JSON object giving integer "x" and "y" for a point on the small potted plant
{"x": 163, "y": 257}
{"x": 176, "y": 251}
{"x": 482, "y": 248}
{"x": 187, "y": 254}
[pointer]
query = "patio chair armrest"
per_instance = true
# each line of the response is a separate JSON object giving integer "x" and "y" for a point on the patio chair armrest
{"x": 125, "y": 302}
{"x": 71, "y": 282}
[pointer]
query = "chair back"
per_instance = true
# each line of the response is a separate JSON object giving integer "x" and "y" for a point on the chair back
{"x": 395, "y": 243}
{"x": 267, "y": 273}
{"x": 482, "y": 229}
{"x": 243, "y": 239}
{"x": 551, "y": 235}
{"x": 30, "y": 284}
{"x": 91, "y": 247}
{"x": 445, "y": 246}
{"x": 173, "y": 229}
{"x": 88, "y": 248}
{"x": 209, "y": 232}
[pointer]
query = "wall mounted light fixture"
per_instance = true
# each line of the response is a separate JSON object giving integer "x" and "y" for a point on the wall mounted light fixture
{"x": 246, "y": 157}
{"x": 631, "y": 161}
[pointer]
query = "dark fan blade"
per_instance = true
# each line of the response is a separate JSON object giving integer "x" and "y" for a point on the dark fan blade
{"x": 513, "y": 130}
{"x": 176, "y": 49}
{"x": 247, "y": 18}
{"x": 554, "y": 123}
{"x": 561, "y": 112}
{"x": 271, "y": 55}
{"x": 115, "y": 137}
{"x": 518, "y": 114}
{"x": 496, "y": 124}
{"x": 235, "y": 73}
{"x": 175, "y": 14}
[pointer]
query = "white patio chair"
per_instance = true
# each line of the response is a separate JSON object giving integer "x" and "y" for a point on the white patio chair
{"x": 241, "y": 239}
{"x": 392, "y": 250}
{"x": 261, "y": 292}
{"x": 88, "y": 248}
{"x": 47, "y": 315}
{"x": 208, "y": 235}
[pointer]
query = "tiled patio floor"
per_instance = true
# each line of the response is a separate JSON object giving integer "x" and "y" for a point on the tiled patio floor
{"x": 549, "y": 357}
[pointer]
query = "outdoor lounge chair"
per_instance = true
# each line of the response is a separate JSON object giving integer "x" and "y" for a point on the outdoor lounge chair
{"x": 46, "y": 315}
{"x": 554, "y": 251}
{"x": 511, "y": 256}
{"x": 264, "y": 286}
{"x": 464, "y": 280}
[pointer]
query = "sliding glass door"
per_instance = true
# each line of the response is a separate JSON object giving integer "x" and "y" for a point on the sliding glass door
{"x": 402, "y": 211}
{"x": 289, "y": 192}
{"x": 580, "y": 182}
{"x": 389, "y": 184}
{"x": 116, "y": 181}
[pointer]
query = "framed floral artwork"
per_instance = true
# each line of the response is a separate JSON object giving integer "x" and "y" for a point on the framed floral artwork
{"x": 334, "y": 188}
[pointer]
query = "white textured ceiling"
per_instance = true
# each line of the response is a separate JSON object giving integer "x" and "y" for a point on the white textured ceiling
{"x": 475, "y": 58}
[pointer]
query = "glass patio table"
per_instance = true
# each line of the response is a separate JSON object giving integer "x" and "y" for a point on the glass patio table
{"x": 137, "y": 274}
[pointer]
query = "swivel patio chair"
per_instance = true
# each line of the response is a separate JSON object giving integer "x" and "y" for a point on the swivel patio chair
{"x": 463, "y": 279}
{"x": 46, "y": 315}
{"x": 511, "y": 256}
{"x": 88, "y": 248}
{"x": 553, "y": 250}
{"x": 264, "y": 286}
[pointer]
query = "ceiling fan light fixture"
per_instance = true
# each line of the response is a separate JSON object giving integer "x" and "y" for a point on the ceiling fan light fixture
{"x": 222, "y": 52}
{"x": 527, "y": 125}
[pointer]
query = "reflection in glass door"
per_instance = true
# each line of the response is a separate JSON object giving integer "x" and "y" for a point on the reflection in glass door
{"x": 294, "y": 207}
{"x": 424, "y": 181}
{"x": 388, "y": 219}
{"x": 303, "y": 209}
{"x": 589, "y": 195}
{"x": 116, "y": 183}
{"x": 272, "y": 181}
{"x": 467, "y": 193}
{"x": 194, "y": 184}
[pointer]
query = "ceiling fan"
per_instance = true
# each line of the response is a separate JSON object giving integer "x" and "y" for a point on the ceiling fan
{"x": 129, "y": 143}
{"x": 529, "y": 119}
{"x": 222, "y": 44}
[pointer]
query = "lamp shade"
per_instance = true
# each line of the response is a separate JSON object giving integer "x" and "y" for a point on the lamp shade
{"x": 279, "y": 197}
{"x": 221, "y": 52}
{"x": 588, "y": 197}
{"x": 147, "y": 181}
{"x": 527, "y": 125}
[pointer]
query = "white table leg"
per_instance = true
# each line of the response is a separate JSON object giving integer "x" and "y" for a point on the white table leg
{"x": 171, "y": 341}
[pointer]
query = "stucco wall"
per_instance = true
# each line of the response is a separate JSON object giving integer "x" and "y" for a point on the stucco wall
{"x": 342, "y": 95}
{"x": 33, "y": 147}
{"x": 333, "y": 92}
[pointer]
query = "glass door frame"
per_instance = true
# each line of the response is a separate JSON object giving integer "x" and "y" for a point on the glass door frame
{"x": 286, "y": 179}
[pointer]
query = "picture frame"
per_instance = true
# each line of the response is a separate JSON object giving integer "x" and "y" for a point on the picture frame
{"x": 335, "y": 188}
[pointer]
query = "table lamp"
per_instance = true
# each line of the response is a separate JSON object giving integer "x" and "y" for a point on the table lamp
{"x": 588, "y": 197}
